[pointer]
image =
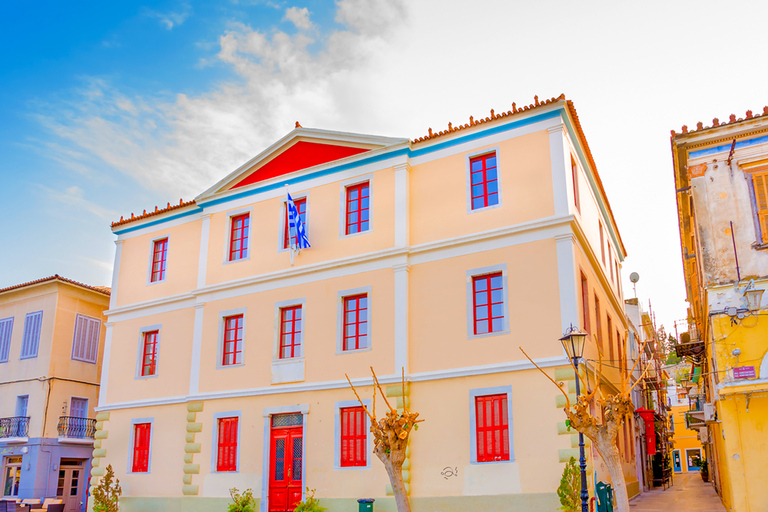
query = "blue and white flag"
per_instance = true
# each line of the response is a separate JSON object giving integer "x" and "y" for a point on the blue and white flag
{"x": 296, "y": 230}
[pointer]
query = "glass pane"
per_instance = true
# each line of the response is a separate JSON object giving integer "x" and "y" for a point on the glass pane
{"x": 480, "y": 285}
{"x": 496, "y": 282}
{"x": 477, "y": 177}
{"x": 477, "y": 190}
{"x": 478, "y": 202}
{"x": 498, "y": 324}
{"x": 279, "y": 469}
{"x": 481, "y": 299}
{"x": 482, "y": 327}
{"x": 352, "y": 218}
{"x": 296, "y": 472}
{"x": 352, "y": 194}
{"x": 351, "y": 330}
{"x": 497, "y": 311}
{"x": 74, "y": 483}
{"x": 493, "y": 199}
{"x": 365, "y": 202}
{"x": 477, "y": 165}
{"x": 297, "y": 314}
{"x": 497, "y": 296}
{"x": 493, "y": 187}
{"x": 481, "y": 312}
{"x": 363, "y": 315}
{"x": 351, "y": 317}
{"x": 364, "y": 215}
{"x": 287, "y": 314}
{"x": 490, "y": 162}
{"x": 287, "y": 420}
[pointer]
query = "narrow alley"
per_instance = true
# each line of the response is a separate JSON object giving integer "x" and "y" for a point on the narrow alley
{"x": 689, "y": 492}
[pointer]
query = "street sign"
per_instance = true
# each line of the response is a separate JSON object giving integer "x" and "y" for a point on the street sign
{"x": 744, "y": 372}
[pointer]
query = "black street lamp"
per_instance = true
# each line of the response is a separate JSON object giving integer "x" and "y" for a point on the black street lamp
{"x": 573, "y": 343}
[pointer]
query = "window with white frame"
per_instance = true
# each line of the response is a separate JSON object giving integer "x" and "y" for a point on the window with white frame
{"x": 484, "y": 181}
{"x": 159, "y": 260}
{"x": 11, "y": 476}
{"x": 141, "y": 446}
{"x": 30, "y": 343}
{"x": 6, "y": 329}
{"x": 226, "y": 442}
{"x": 85, "y": 342}
{"x": 487, "y": 302}
{"x": 231, "y": 338}
{"x": 491, "y": 425}
{"x": 352, "y": 437}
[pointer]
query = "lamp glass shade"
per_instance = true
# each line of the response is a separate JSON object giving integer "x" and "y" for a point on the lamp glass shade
{"x": 574, "y": 342}
{"x": 754, "y": 297}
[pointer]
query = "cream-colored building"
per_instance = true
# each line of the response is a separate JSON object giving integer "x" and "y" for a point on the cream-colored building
{"x": 51, "y": 348}
{"x": 226, "y": 355}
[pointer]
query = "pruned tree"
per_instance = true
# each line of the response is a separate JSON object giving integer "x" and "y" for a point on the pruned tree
{"x": 390, "y": 435}
{"x": 603, "y": 433}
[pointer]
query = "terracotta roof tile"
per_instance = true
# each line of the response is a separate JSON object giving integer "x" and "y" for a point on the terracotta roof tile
{"x": 716, "y": 123}
{"x": 56, "y": 277}
{"x": 157, "y": 211}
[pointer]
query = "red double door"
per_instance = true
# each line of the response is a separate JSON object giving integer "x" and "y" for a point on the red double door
{"x": 285, "y": 468}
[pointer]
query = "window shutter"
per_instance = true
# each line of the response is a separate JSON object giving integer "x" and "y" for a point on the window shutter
{"x": 226, "y": 459}
{"x": 353, "y": 450}
{"x": 492, "y": 428}
{"x": 141, "y": 447}
{"x": 85, "y": 343}
{"x": 31, "y": 339}
{"x": 760, "y": 181}
{"x": 6, "y": 329}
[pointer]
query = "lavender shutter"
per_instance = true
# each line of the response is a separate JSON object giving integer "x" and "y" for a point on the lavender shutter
{"x": 85, "y": 343}
{"x": 31, "y": 340}
{"x": 6, "y": 328}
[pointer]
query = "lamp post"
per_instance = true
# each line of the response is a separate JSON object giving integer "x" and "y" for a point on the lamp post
{"x": 573, "y": 343}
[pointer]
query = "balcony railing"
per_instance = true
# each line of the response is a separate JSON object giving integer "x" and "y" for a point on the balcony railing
{"x": 76, "y": 428}
{"x": 16, "y": 426}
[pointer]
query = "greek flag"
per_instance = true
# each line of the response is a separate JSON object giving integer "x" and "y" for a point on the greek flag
{"x": 296, "y": 231}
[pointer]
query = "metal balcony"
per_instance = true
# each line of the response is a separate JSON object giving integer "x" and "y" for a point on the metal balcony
{"x": 71, "y": 427}
{"x": 14, "y": 427}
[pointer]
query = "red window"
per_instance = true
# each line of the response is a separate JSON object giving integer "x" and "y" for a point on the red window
{"x": 301, "y": 207}
{"x": 233, "y": 340}
{"x": 149, "y": 358}
{"x": 602, "y": 243}
{"x": 226, "y": 459}
{"x": 488, "y": 293}
{"x": 353, "y": 437}
{"x": 238, "y": 245}
{"x": 355, "y": 322}
{"x": 358, "y": 208}
{"x": 485, "y": 182}
{"x": 610, "y": 341}
{"x": 492, "y": 428}
{"x": 598, "y": 324}
{"x": 575, "y": 179}
{"x": 290, "y": 332}
{"x": 141, "y": 433}
{"x": 159, "y": 260}
{"x": 584, "y": 303}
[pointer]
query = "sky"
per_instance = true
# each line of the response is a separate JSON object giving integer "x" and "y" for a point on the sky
{"x": 108, "y": 108}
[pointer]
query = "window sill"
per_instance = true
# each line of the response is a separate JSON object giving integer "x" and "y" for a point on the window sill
{"x": 353, "y": 351}
{"x": 488, "y": 335}
{"x": 760, "y": 247}
{"x": 347, "y": 468}
{"x": 493, "y": 462}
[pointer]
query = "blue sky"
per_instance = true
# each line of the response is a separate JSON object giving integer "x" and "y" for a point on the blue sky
{"x": 108, "y": 108}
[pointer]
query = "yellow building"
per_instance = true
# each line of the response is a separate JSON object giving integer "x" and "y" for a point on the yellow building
{"x": 687, "y": 449}
{"x": 51, "y": 348}
{"x": 721, "y": 176}
{"x": 440, "y": 256}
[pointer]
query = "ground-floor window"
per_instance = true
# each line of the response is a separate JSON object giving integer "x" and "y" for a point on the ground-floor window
{"x": 11, "y": 476}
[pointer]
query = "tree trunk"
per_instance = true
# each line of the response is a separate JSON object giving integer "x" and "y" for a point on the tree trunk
{"x": 395, "y": 473}
{"x": 605, "y": 444}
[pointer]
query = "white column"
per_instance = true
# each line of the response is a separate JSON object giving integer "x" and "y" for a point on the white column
{"x": 105, "y": 364}
{"x": 401, "y": 204}
{"x": 566, "y": 276}
{"x": 202, "y": 262}
{"x": 197, "y": 345}
{"x": 115, "y": 274}
{"x": 401, "y": 317}
{"x": 559, "y": 154}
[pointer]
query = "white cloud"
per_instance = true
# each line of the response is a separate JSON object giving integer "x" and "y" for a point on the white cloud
{"x": 74, "y": 197}
{"x": 299, "y": 17}
{"x": 170, "y": 19}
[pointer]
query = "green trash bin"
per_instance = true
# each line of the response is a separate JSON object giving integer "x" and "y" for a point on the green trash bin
{"x": 365, "y": 505}
{"x": 604, "y": 497}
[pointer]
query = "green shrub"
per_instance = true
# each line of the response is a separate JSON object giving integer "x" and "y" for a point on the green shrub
{"x": 241, "y": 502}
{"x": 310, "y": 504}
{"x": 570, "y": 487}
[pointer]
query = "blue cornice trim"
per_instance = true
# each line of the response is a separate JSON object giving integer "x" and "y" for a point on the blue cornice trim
{"x": 410, "y": 153}
{"x": 727, "y": 147}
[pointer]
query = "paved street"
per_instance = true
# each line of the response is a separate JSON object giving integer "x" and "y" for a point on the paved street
{"x": 688, "y": 493}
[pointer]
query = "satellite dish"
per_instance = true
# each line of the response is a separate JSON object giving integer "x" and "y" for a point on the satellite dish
{"x": 634, "y": 277}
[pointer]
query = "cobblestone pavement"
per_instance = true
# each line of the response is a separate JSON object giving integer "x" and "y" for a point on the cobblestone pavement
{"x": 689, "y": 492}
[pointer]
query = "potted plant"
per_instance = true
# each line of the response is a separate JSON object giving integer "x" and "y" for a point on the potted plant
{"x": 704, "y": 470}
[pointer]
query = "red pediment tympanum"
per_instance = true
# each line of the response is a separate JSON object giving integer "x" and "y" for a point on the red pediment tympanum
{"x": 301, "y": 155}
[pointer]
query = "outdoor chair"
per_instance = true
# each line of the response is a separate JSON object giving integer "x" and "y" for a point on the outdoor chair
{"x": 51, "y": 501}
{"x": 7, "y": 506}
{"x": 56, "y": 507}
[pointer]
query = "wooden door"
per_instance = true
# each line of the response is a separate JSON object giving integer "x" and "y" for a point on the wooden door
{"x": 70, "y": 485}
{"x": 285, "y": 468}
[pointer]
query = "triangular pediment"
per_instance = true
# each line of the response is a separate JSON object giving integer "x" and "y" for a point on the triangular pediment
{"x": 301, "y": 149}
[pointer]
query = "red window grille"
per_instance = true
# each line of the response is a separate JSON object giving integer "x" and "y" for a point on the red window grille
{"x": 238, "y": 246}
{"x": 610, "y": 341}
{"x": 290, "y": 332}
{"x": 598, "y": 324}
{"x": 226, "y": 459}
{"x": 301, "y": 207}
{"x": 492, "y": 428}
{"x": 149, "y": 358}
{"x": 575, "y": 179}
{"x": 485, "y": 182}
{"x": 353, "y": 437}
{"x": 159, "y": 260}
{"x": 488, "y": 293}
{"x": 355, "y": 322}
{"x": 585, "y": 303}
{"x": 233, "y": 340}
{"x": 358, "y": 208}
{"x": 141, "y": 432}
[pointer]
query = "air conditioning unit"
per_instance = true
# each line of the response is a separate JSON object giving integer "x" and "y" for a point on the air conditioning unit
{"x": 709, "y": 412}
{"x": 703, "y": 435}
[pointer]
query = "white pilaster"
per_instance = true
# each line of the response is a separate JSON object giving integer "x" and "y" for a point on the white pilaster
{"x": 197, "y": 345}
{"x": 115, "y": 274}
{"x": 560, "y": 157}
{"x": 401, "y": 317}
{"x": 202, "y": 262}
{"x": 566, "y": 275}
{"x": 402, "y": 173}
{"x": 105, "y": 363}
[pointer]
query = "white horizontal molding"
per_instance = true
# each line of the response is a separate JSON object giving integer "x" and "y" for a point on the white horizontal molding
{"x": 469, "y": 371}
